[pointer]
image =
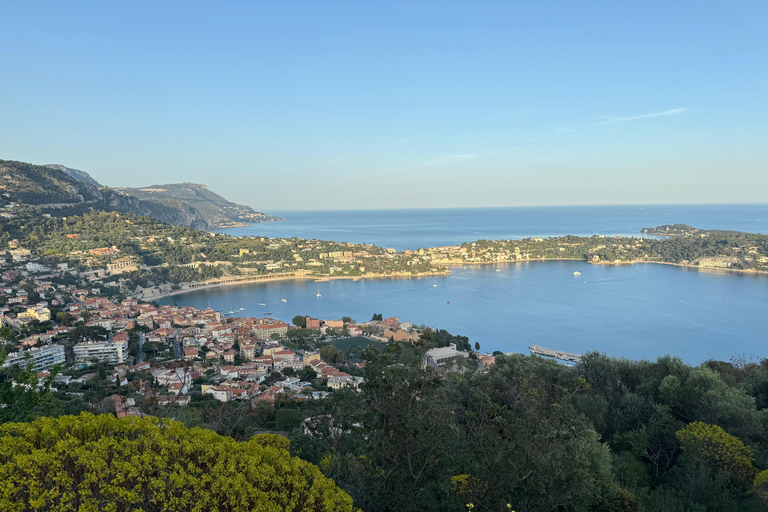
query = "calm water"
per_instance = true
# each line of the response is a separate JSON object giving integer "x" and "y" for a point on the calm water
{"x": 412, "y": 229}
{"x": 642, "y": 311}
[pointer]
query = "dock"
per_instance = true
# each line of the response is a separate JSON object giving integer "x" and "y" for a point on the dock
{"x": 556, "y": 354}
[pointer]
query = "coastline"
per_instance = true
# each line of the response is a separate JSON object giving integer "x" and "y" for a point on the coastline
{"x": 317, "y": 279}
{"x": 617, "y": 263}
{"x": 403, "y": 275}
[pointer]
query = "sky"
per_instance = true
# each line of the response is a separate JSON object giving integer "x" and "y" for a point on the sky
{"x": 400, "y": 104}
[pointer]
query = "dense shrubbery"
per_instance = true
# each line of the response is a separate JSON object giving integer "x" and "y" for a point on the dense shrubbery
{"x": 606, "y": 435}
{"x": 94, "y": 463}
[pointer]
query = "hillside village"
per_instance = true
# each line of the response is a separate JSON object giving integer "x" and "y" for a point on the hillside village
{"x": 162, "y": 354}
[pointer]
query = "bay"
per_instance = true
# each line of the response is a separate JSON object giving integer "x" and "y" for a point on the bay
{"x": 641, "y": 312}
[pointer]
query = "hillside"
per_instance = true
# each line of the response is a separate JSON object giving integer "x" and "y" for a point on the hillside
{"x": 219, "y": 211}
{"x": 75, "y": 173}
{"x": 62, "y": 191}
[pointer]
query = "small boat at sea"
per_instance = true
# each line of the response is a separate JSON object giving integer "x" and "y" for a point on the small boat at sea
{"x": 498, "y": 270}
{"x": 434, "y": 285}
{"x": 284, "y": 299}
{"x": 318, "y": 293}
{"x": 241, "y": 306}
{"x": 576, "y": 273}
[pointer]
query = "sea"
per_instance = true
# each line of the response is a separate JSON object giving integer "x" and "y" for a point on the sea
{"x": 642, "y": 311}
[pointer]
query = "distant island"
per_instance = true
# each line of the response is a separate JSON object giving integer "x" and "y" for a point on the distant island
{"x": 62, "y": 191}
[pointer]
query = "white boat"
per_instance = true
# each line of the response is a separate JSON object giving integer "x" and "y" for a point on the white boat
{"x": 576, "y": 273}
{"x": 284, "y": 299}
{"x": 241, "y": 306}
{"x": 498, "y": 270}
{"x": 318, "y": 293}
{"x": 434, "y": 285}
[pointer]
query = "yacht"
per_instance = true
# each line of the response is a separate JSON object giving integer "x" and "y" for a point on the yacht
{"x": 434, "y": 285}
{"x": 241, "y": 306}
{"x": 576, "y": 273}
{"x": 284, "y": 299}
{"x": 318, "y": 293}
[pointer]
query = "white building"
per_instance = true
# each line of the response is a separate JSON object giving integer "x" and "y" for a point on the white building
{"x": 109, "y": 351}
{"x": 41, "y": 358}
{"x": 438, "y": 358}
{"x": 344, "y": 381}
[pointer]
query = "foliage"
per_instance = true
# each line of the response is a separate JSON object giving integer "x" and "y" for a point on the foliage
{"x": 91, "y": 462}
{"x": 715, "y": 446}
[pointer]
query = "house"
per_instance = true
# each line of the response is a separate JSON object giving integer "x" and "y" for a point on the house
{"x": 178, "y": 388}
{"x": 439, "y": 358}
{"x": 343, "y": 380}
{"x": 220, "y": 393}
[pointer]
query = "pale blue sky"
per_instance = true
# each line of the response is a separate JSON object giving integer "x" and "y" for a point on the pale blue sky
{"x": 287, "y": 105}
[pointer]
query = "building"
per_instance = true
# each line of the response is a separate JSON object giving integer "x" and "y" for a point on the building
{"x": 265, "y": 331}
{"x": 344, "y": 380}
{"x": 112, "y": 351}
{"x": 312, "y": 323}
{"x": 42, "y": 358}
{"x": 41, "y": 314}
{"x": 439, "y": 357}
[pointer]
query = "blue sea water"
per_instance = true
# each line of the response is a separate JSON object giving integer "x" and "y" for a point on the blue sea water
{"x": 642, "y": 311}
{"x": 415, "y": 228}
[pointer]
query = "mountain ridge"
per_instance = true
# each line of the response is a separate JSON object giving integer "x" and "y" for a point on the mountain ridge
{"x": 62, "y": 191}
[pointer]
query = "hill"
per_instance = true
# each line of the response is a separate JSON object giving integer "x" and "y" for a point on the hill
{"x": 216, "y": 209}
{"x": 62, "y": 191}
{"x": 75, "y": 173}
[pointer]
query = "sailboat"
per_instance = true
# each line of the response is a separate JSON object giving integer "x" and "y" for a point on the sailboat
{"x": 434, "y": 285}
{"x": 241, "y": 306}
{"x": 284, "y": 299}
{"x": 262, "y": 303}
{"x": 318, "y": 293}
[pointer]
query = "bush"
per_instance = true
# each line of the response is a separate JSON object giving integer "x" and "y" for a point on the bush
{"x": 89, "y": 462}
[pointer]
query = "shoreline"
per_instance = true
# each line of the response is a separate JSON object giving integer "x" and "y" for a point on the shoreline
{"x": 323, "y": 279}
{"x": 618, "y": 263}
{"x": 317, "y": 279}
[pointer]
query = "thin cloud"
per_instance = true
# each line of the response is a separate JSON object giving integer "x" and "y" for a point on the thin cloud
{"x": 665, "y": 113}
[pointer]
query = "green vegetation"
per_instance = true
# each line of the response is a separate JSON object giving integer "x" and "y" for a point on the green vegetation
{"x": 67, "y": 192}
{"x": 91, "y": 462}
{"x": 605, "y": 435}
{"x": 685, "y": 245}
{"x": 215, "y": 209}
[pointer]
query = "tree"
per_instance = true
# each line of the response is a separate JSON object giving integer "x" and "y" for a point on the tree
{"x": 23, "y": 396}
{"x": 328, "y": 353}
{"x": 477, "y": 346}
{"x": 91, "y": 462}
{"x": 300, "y": 321}
{"x": 347, "y": 320}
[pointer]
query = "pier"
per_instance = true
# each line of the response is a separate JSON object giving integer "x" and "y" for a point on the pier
{"x": 556, "y": 354}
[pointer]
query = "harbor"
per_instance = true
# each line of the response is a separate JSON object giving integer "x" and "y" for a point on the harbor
{"x": 556, "y": 354}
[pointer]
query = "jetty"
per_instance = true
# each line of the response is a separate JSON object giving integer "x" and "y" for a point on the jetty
{"x": 556, "y": 354}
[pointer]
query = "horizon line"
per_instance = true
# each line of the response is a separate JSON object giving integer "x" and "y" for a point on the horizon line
{"x": 509, "y": 206}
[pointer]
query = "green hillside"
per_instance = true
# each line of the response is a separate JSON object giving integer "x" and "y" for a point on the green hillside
{"x": 61, "y": 191}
